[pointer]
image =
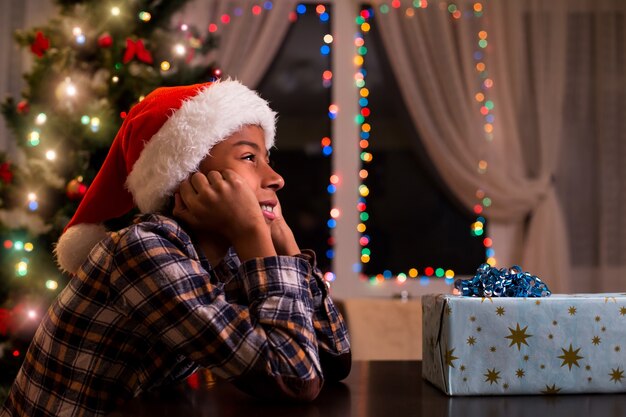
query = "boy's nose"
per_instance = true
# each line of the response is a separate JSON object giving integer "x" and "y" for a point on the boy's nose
{"x": 273, "y": 180}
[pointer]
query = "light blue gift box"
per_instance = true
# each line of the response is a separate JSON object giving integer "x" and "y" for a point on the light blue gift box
{"x": 561, "y": 344}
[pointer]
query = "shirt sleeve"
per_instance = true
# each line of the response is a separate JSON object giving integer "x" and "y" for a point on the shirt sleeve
{"x": 268, "y": 346}
{"x": 330, "y": 328}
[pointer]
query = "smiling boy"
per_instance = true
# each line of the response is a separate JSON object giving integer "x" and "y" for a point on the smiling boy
{"x": 209, "y": 275}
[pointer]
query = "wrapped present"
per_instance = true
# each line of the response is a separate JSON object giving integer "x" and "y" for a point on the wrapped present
{"x": 513, "y": 345}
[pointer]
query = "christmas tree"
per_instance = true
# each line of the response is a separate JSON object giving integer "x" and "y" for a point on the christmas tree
{"x": 91, "y": 64}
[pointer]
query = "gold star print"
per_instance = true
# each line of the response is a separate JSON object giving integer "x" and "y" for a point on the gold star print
{"x": 526, "y": 357}
{"x": 471, "y": 340}
{"x": 500, "y": 311}
{"x": 588, "y": 367}
{"x": 554, "y": 323}
{"x": 570, "y": 357}
{"x": 616, "y": 375}
{"x": 622, "y": 311}
{"x": 603, "y": 329}
{"x": 486, "y": 298}
{"x": 492, "y": 348}
{"x": 450, "y": 358}
{"x": 572, "y": 311}
{"x": 478, "y": 329}
{"x": 505, "y": 386}
{"x": 472, "y": 318}
{"x": 462, "y": 368}
{"x": 596, "y": 340}
{"x": 598, "y": 318}
{"x": 617, "y": 348}
{"x": 550, "y": 336}
{"x": 520, "y": 373}
{"x": 551, "y": 390}
{"x": 607, "y": 299}
{"x": 537, "y": 302}
{"x": 518, "y": 336}
{"x": 492, "y": 376}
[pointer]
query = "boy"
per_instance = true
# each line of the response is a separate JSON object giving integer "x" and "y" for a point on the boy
{"x": 214, "y": 278}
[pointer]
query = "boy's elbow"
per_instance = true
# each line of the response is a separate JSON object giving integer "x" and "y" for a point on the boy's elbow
{"x": 278, "y": 387}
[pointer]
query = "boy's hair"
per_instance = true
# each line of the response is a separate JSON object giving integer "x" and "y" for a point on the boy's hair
{"x": 162, "y": 140}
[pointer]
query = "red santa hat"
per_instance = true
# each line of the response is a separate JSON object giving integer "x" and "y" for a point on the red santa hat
{"x": 162, "y": 140}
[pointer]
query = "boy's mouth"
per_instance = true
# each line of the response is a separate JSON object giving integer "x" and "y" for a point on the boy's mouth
{"x": 268, "y": 210}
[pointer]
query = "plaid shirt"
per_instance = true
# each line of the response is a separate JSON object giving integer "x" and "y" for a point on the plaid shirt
{"x": 146, "y": 309}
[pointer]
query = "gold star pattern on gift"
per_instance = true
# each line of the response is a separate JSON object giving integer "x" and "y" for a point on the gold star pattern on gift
{"x": 486, "y": 298}
{"x": 607, "y": 299}
{"x": 492, "y": 349}
{"x": 596, "y": 340}
{"x": 598, "y": 318}
{"x": 492, "y": 376}
{"x": 616, "y": 375}
{"x": 518, "y": 336}
{"x": 520, "y": 373}
{"x": 450, "y": 358}
{"x": 472, "y": 318}
{"x": 500, "y": 311}
{"x": 471, "y": 340}
{"x": 537, "y": 302}
{"x": 622, "y": 311}
{"x": 551, "y": 390}
{"x": 572, "y": 311}
{"x": 617, "y": 348}
{"x": 570, "y": 357}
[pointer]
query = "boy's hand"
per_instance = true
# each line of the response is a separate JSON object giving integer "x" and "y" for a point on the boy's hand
{"x": 223, "y": 203}
{"x": 282, "y": 236}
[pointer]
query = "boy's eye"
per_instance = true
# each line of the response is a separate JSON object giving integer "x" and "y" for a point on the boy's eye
{"x": 249, "y": 157}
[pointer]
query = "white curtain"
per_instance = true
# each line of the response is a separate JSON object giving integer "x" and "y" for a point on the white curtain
{"x": 592, "y": 174}
{"x": 249, "y": 42}
{"x": 433, "y": 57}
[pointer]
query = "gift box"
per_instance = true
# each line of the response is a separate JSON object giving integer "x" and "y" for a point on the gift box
{"x": 561, "y": 344}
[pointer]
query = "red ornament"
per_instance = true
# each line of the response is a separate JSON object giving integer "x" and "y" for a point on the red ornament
{"x": 105, "y": 40}
{"x": 6, "y": 175}
{"x": 23, "y": 107}
{"x": 76, "y": 189}
{"x": 40, "y": 45}
{"x": 136, "y": 49}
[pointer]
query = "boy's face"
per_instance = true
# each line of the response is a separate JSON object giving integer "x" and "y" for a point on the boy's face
{"x": 244, "y": 152}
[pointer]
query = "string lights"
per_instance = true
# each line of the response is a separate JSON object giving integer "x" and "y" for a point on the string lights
{"x": 477, "y": 228}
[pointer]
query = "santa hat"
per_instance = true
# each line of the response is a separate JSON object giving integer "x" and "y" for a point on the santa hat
{"x": 162, "y": 140}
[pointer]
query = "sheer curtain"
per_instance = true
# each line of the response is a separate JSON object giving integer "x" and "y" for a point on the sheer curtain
{"x": 592, "y": 176}
{"x": 249, "y": 42}
{"x": 433, "y": 57}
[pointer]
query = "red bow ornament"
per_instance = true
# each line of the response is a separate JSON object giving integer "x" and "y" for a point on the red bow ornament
{"x": 40, "y": 45}
{"x": 6, "y": 176}
{"x": 5, "y": 321}
{"x": 136, "y": 49}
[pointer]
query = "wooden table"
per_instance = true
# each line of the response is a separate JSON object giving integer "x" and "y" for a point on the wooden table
{"x": 373, "y": 389}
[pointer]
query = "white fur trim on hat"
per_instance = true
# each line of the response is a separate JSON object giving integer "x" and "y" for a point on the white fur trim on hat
{"x": 74, "y": 245}
{"x": 184, "y": 140}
